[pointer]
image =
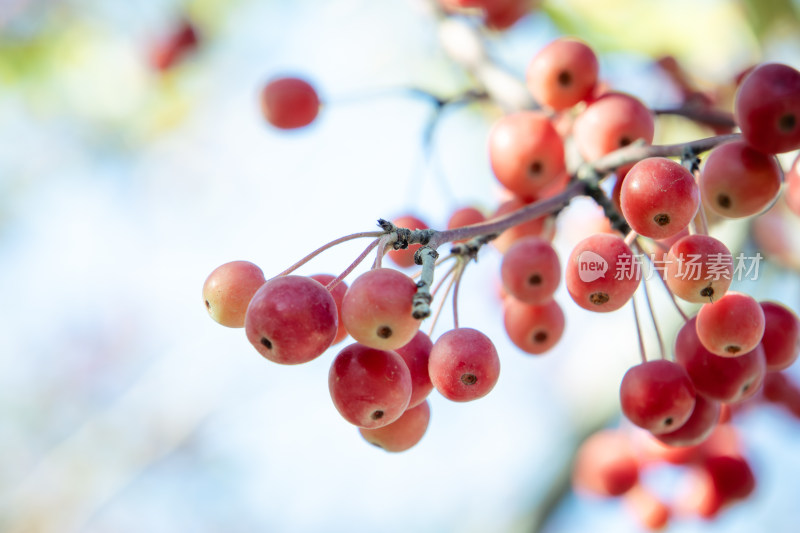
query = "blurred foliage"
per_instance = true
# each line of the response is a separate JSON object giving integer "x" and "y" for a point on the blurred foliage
{"x": 768, "y": 17}
{"x": 681, "y": 28}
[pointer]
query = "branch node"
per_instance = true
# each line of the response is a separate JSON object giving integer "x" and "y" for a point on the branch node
{"x": 421, "y": 304}
{"x": 385, "y": 225}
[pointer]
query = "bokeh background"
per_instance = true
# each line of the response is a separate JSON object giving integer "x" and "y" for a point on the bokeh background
{"x": 124, "y": 408}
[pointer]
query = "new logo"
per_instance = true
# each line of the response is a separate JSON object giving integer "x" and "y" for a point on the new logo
{"x": 591, "y": 266}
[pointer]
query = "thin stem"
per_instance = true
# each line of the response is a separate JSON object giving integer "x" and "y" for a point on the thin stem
{"x": 638, "y": 329}
{"x": 383, "y": 243}
{"x": 672, "y": 297}
{"x": 331, "y": 244}
{"x": 442, "y": 299}
{"x": 631, "y": 237}
{"x": 700, "y": 222}
{"x": 335, "y": 281}
{"x": 461, "y": 266}
{"x": 650, "y": 309}
{"x": 444, "y": 278}
{"x": 707, "y": 116}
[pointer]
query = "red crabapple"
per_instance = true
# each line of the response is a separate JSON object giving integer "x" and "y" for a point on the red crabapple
{"x": 289, "y": 103}
{"x": 376, "y": 309}
{"x": 698, "y": 427}
{"x": 338, "y": 293}
{"x": 291, "y": 320}
{"x": 605, "y": 465}
{"x": 526, "y": 152}
{"x": 502, "y": 14}
{"x": 725, "y": 379}
{"x": 781, "y": 340}
{"x": 533, "y": 328}
{"x": 779, "y": 388}
{"x": 562, "y": 73}
{"x": 464, "y": 365}
{"x": 416, "y": 354}
{"x": 370, "y": 388}
{"x": 465, "y": 216}
{"x": 530, "y": 270}
{"x": 602, "y": 273}
{"x": 738, "y": 181}
{"x": 732, "y": 476}
{"x": 403, "y": 433}
{"x": 175, "y": 46}
{"x": 698, "y": 268}
{"x": 657, "y": 396}
{"x": 775, "y": 234}
{"x": 659, "y": 197}
{"x": 613, "y": 121}
{"x": 228, "y": 290}
{"x": 767, "y": 108}
{"x": 699, "y": 496}
{"x": 542, "y": 227}
{"x": 731, "y": 326}
{"x": 652, "y": 513}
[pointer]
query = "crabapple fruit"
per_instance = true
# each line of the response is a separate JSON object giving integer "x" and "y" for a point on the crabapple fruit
{"x": 369, "y": 387}
{"x": 376, "y": 309}
{"x": 289, "y": 103}
{"x": 464, "y": 365}
{"x": 602, "y": 273}
{"x": 767, "y": 108}
{"x": 659, "y": 197}
{"x": 533, "y": 328}
{"x": 725, "y": 379}
{"x": 228, "y": 290}
{"x": 338, "y": 293}
{"x": 699, "y": 268}
{"x": 562, "y": 73}
{"x": 416, "y": 354}
{"x": 526, "y": 152}
{"x": 739, "y": 181}
{"x": 781, "y": 340}
{"x": 403, "y": 433}
{"x": 531, "y": 270}
{"x": 291, "y": 319}
{"x": 657, "y": 396}
{"x": 732, "y": 325}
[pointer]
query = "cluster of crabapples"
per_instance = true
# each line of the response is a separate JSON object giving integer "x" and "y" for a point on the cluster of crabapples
{"x": 379, "y": 383}
{"x": 721, "y": 357}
